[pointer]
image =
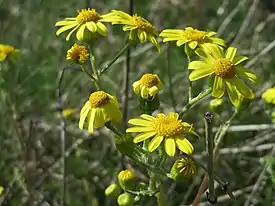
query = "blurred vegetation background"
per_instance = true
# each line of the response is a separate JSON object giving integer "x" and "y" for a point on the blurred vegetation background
{"x": 30, "y": 149}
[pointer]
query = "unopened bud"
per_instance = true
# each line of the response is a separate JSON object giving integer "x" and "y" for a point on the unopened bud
{"x": 183, "y": 168}
{"x": 127, "y": 179}
{"x": 216, "y": 105}
{"x": 125, "y": 199}
{"x": 112, "y": 190}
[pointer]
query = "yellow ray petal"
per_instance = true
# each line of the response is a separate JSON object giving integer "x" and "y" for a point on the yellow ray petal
{"x": 242, "y": 88}
{"x": 91, "y": 121}
{"x": 139, "y": 129}
{"x": 218, "y": 87}
{"x": 148, "y": 117}
{"x": 155, "y": 142}
{"x": 170, "y": 146}
{"x": 184, "y": 145}
{"x": 82, "y": 118}
{"x": 143, "y": 136}
{"x": 140, "y": 122}
{"x": 230, "y": 53}
{"x": 246, "y": 74}
{"x": 198, "y": 65}
{"x": 80, "y": 32}
{"x": 200, "y": 73}
{"x": 65, "y": 28}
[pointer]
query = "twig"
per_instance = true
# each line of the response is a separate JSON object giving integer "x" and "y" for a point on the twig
{"x": 263, "y": 52}
{"x": 246, "y": 21}
{"x": 62, "y": 139}
{"x": 208, "y": 119}
{"x": 229, "y": 18}
{"x": 258, "y": 182}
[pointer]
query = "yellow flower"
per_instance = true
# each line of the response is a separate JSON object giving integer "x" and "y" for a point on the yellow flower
{"x": 7, "y": 52}
{"x": 226, "y": 72}
{"x": 193, "y": 37}
{"x": 78, "y": 54}
{"x": 168, "y": 128}
{"x": 87, "y": 22}
{"x": 138, "y": 27}
{"x": 100, "y": 108}
{"x": 148, "y": 86}
{"x": 182, "y": 168}
{"x": 269, "y": 96}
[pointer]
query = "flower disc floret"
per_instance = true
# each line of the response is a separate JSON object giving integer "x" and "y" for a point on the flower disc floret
{"x": 87, "y": 15}
{"x": 168, "y": 126}
{"x": 98, "y": 99}
{"x": 143, "y": 24}
{"x": 224, "y": 68}
{"x": 195, "y": 35}
{"x": 149, "y": 80}
{"x": 78, "y": 54}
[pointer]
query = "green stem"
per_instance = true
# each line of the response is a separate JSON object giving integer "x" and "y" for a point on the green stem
{"x": 209, "y": 148}
{"x": 161, "y": 198}
{"x": 92, "y": 78}
{"x": 194, "y": 101}
{"x": 222, "y": 132}
{"x": 114, "y": 129}
{"x": 109, "y": 64}
{"x": 190, "y": 92}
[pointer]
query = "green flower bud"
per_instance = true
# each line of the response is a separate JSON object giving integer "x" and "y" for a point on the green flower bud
{"x": 112, "y": 190}
{"x": 216, "y": 105}
{"x": 127, "y": 179}
{"x": 183, "y": 168}
{"x": 125, "y": 199}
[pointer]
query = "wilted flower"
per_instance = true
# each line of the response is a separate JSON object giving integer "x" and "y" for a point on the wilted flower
{"x": 100, "y": 108}
{"x": 168, "y": 128}
{"x": 226, "y": 72}
{"x": 192, "y": 37}
{"x": 148, "y": 86}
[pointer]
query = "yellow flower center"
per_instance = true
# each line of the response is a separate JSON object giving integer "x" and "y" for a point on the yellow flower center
{"x": 149, "y": 80}
{"x": 143, "y": 24}
{"x": 77, "y": 54}
{"x": 224, "y": 68}
{"x": 168, "y": 126}
{"x": 87, "y": 15}
{"x": 98, "y": 99}
{"x": 195, "y": 35}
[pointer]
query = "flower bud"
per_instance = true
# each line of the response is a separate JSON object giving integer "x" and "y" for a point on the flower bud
{"x": 125, "y": 199}
{"x": 216, "y": 105}
{"x": 183, "y": 168}
{"x": 127, "y": 179}
{"x": 112, "y": 190}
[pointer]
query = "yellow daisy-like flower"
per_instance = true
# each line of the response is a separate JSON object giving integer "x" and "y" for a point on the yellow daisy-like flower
{"x": 100, "y": 108}
{"x": 192, "y": 37}
{"x": 148, "y": 86}
{"x": 168, "y": 128}
{"x": 7, "y": 52}
{"x": 269, "y": 96}
{"x": 88, "y": 21}
{"x": 139, "y": 27}
{"x": 78, "y": 54}
{"x": 226, "y": 72}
